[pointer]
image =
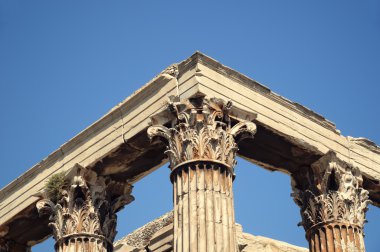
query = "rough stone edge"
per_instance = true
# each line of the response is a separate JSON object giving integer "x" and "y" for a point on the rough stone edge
{"x": 365, "y": 142}
{"x": 142, "y": 236}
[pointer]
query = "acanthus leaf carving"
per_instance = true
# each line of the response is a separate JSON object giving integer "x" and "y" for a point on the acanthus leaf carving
{"x": 201, "y": 130}
{"x": 333, "y": 194}
{"x": 87, "y": 204}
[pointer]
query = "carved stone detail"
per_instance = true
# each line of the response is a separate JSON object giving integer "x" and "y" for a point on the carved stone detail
{"x": 334, "y": 193}
{"x": 201, "y": 130}
{"x": 332, "y": 201}
{"x": 85, "y": 212}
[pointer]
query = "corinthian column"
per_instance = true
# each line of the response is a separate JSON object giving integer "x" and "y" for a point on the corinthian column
{"x": 333, "y": 205}
{"x": 82, "y": 209}
{"x": 201, "y": 148}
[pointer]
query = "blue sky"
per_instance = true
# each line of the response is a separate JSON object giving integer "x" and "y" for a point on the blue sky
{"x": 63, "y": 64}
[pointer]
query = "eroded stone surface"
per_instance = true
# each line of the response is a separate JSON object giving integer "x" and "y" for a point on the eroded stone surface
{"x": 141, "y": 237}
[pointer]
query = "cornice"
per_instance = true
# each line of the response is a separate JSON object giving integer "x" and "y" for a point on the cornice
{"x": 200, "y": 58}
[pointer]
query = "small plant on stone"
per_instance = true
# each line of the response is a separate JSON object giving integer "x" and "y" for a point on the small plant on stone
{"x": 54, "y": 186}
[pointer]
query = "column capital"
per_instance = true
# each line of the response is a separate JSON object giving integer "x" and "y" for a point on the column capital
{"x": 201, "y": 130}
{"x": 330, "y": 192}
{"x": 83, "y": 206}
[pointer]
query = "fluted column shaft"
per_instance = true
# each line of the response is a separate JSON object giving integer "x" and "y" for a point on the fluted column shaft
{"x": 336, "y": 237}
{"x": 203, "y": 208}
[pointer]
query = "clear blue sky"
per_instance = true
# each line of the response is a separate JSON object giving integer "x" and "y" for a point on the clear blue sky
{"x": 63, "y": 64}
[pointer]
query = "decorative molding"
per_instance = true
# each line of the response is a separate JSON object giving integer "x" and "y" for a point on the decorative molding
{"x": 201, "y": 130}
{"x": 87, "y": 206}
{"x": 333, "y": 193}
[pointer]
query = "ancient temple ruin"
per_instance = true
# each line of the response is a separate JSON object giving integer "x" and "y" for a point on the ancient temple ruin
{"x": 197, "y": 115}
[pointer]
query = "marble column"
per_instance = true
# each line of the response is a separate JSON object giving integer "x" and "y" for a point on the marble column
{"x": 201, "y": 145}
{"x": 82, "y": 209}
{"x": 333, "y": 205}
